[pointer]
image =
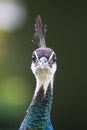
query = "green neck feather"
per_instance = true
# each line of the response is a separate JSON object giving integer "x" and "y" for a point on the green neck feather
{"x": 38, "y": 114}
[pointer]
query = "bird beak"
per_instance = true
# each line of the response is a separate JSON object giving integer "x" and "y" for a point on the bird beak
{"x": 43, "y": 62}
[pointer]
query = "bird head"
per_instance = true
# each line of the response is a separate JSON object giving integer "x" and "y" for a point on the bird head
{"x": 44, "y": 64}
{"x": 43, "y": 59}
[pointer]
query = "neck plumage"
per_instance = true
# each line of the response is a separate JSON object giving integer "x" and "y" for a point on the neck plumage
{"x": 38, "y": 113}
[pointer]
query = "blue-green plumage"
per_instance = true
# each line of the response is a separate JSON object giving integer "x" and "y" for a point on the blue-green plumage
{"x": 38, "y": 114}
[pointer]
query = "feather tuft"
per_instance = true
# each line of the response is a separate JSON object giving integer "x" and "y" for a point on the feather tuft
{"x": 40, "y": 32}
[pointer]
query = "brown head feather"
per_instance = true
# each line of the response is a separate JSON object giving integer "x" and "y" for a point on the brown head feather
{"x": 39, "y": 32}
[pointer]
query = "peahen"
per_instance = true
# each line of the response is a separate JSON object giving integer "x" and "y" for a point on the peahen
{"x": 43, "y": 67}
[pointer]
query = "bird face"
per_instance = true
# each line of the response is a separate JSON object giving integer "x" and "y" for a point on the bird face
{"x": 43, "y": 61}
{"x": 44, "y": 67}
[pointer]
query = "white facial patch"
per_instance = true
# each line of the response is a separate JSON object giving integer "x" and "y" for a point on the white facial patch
{"x": 36, "y": 55}
{"x": 51, "y": 56}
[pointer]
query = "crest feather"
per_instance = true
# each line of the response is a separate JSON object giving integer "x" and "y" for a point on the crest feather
{"x": 39, "y": 33}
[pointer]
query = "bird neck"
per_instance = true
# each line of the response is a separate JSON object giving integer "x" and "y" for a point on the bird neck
{"x": 39, "y": 110}
{"x": 44, "y": 79}
{"x": 38, "y": 113}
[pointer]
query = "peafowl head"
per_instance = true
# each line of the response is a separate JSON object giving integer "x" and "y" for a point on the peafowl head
{"x": 43, "y": 59}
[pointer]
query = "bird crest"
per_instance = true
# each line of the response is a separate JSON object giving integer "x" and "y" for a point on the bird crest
{"x": 40, "y": 32}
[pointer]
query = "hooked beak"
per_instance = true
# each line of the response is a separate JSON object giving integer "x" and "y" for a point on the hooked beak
{"x": 43, "y": 62}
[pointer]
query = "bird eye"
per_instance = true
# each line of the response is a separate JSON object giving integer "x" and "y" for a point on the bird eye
{"x": 54, "y": 58}
{"x": 33, "y": 58}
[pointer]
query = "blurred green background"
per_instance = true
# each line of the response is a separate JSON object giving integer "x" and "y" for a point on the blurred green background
{"x": 67, "y": 35}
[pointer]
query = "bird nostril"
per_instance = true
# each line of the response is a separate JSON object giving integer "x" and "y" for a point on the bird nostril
{"x": 43, "y": 59}
{"x": 43, "y": 62}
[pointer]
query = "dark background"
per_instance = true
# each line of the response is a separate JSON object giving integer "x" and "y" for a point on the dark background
{"x": 67, "y": 36}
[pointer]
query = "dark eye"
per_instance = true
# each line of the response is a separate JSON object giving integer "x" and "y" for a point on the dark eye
{"x": 33, "y": 58}
{"x": 54, "y": 58}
